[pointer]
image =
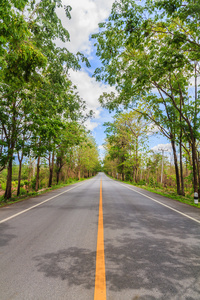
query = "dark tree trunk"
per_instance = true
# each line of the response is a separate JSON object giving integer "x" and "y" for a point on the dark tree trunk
{"x": 181, "y": 161}
{"x": 176, "y": 168}
{"x": 51, "y": 165}
{"x": 19, "y": 174}
{"x": 136, "y": 174}
{"x": 136, "y": 166}
{"x": 133, "y": 173}
{"x": 181, "y": 170}
{"x": 37, "y": 174}
{"x": 59, "y": 165}
{"x": 50, "y": 177}
{"x": 8, "y": 192}
{"x": 198, "y": 172}
{"x": 57, "y": 176}
{"x": 194, "y": 160}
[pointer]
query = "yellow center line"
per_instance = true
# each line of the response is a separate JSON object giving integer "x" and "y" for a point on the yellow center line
{"x": 100, "y": 277}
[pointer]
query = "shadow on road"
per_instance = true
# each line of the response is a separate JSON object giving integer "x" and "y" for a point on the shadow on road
{"x": 75, "y": 265}
{"x": 5, "y": 236}
{"x": 150, "y": 256}
{"x": 154, "y": 268}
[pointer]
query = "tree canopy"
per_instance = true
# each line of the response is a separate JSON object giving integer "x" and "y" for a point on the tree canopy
{"x": 150, "y": 54}
{"x": 40, "y": 108}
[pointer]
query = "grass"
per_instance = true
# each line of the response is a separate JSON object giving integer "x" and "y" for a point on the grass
{"x": 166, "y": 192}
{"x": 31, "y": 194}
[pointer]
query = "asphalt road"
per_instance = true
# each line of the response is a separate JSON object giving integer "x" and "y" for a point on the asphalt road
{"x": 48, "y": 245}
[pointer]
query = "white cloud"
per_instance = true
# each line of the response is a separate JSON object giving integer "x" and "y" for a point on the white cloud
{"x": 89, "y": 90}
{"x": 160, "y": 147}
{"x": 91, "y": 125}
{"x": 101, "y": 152}
{"x": 152, "y": 129}
{"x": 101, "y": 147}
{"x": 86, "y": 14}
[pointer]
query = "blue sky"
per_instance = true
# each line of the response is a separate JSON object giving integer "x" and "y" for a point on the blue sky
{"x": 86, "y": 14}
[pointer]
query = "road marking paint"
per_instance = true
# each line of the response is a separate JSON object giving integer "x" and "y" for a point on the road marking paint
{"x": 22, "y": 212}
{"x": 100, "y": 277}
{"x": 179, "y": 212}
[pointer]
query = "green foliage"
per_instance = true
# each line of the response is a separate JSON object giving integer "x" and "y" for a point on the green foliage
{"x": 142, "y": 182}
{"x": 148, "y": 53}
{"x": 126, "y": 140}
{"x": 33, "y": 183}
{"x": 23, "y": 191}
{"x": 40, "y": 108}
{"x": 3, "y": 186}
{"x": 152, "y": 182}
{"x": 189, "y": 199}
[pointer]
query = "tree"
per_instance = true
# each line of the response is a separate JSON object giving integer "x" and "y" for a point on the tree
{"x": 139, "y": 53}
{"x": 70, "y": 137}
{"x": 86, "y": 156}
{"x": 126, "y": 140}
{"x": 33, "y": 70}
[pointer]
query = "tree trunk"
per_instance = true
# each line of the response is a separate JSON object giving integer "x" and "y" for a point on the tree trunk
{"x": 123, "y": 177}
{"x": 181, "y": 161}
{"x": 8, "y": 192}
{"x": 79, "y": 174}
{"x": 133, "y": 173}
{"x": 50, "y": 177}
{"x": 57, "y": 176}
{"x": 59, "y": 165}
{"x": 198, "y": 172}
{"x": 136, "y": 160}
{"x": 19, "y": 174}
{"x": 37, "y": 174}
{"x": 176, "y": 168}
{"x": 51, "y": 165}
{"x": 136, "y": 174}
{"x": 194, "y": 160}
{"x": 181, "y": 170}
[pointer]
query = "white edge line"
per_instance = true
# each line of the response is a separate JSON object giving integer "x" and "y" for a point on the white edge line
{"x": 162, "y": 204}
{"x": 22, "y": 212}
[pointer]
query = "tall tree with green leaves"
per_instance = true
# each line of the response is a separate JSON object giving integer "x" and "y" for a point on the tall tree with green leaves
{"x": 126, "y": 140}
{"x": 32, "y": 66}
{"x": 142, "y": 54}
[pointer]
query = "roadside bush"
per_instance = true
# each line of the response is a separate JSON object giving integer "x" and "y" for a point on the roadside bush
{"x": 23, "y": 191}
{"x": 22, "y": 183}
{"x": 151, "y": 182}
{"x": 43, "y": 183}
{"x": 27, "y": 184}
{"x": 14, "y": 184}
{"x": 32, "y": 183}
{"x": 3, "y": 186}
{"x": 142, "y": 182}
{"x": 70, "y": 180}
{"x": 129, "y": 177}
